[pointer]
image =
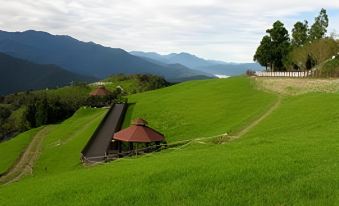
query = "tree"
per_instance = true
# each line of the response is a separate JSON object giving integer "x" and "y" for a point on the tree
{"x": 300, "y": 34}
{"x": 323, "y": 49}
{"x": 41, "y": 115}
{"x": 319, "y": 28}
{"x": 280, "y": 45}
{"x": 314, "y": 53}
{"x": 30, "y": 114}
{"x": 263, "y": 53}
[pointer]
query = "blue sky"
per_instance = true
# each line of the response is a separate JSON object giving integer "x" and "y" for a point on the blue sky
{"x": 228, "y": 30}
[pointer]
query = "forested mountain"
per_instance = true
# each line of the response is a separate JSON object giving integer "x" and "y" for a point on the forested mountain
{"x": 85, "y": 58}
{"x": 21, "y": 75}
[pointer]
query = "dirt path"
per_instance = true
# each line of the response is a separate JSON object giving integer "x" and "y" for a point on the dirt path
{"x": 223, "y": 138}
{"x": 257, "y": 121}
{"x": 24, "y": 166}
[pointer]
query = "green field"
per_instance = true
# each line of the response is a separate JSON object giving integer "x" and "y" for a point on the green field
{"x": 62, "y": 146}
{"x": 290, "y": 158}
{"x": 10, "y": 150}
{"x": 200, "y": 108}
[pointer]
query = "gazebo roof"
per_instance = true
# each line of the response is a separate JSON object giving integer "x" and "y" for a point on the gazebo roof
{"x": 100, "y": 91}
{"x": 139, "y": 133}
{"x": 139, "y": 121}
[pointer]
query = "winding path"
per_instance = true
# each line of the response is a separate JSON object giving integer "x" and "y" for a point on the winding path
{"x": 257, "y": 121}
{"x": 24, "y": 166}
{"x": 236, "y": 135}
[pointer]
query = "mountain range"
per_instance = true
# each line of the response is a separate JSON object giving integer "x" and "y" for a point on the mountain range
{"x": 38, "y": 59}
{"x": 199, "y": 64}
{"x": 86, "y": 58}
{"x": 21, "y": 75}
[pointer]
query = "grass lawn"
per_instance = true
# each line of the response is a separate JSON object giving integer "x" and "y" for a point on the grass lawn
{"x": 129, "y": 85}
{"x": 199, "y": 108}
{"x": 10, "y": 150}
{"x": 290, "y": 158}
{"x": 62, "y": 146}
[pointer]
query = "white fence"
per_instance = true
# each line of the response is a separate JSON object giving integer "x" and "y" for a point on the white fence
{"x": 283, "y": 74}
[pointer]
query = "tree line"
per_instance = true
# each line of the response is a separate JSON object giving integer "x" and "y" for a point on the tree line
{"x": 307, "y": 46}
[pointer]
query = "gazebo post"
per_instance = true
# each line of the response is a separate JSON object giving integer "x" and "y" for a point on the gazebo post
{"x": 157, "y": 145}
{"x": 147, "y": 145}
{"x": 131, "y": 146}
{"x": 119, "y": 146}
{"x": 136, "y": 149}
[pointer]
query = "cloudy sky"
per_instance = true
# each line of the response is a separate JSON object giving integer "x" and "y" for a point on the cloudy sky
{"x": 228, "y": 30}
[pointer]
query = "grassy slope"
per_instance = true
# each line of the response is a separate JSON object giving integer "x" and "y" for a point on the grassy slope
{"x": 69, "y": 91}
{"x": 62, "y": 146}
{"x": 11, "y": 150}
{"x": 290, "y": 158}
{"x": 129, "y": 85}
{"x": 199, "y": 108}
{"x": 56, "y": 159}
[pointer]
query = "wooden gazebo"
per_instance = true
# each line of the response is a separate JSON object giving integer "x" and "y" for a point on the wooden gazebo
{"x": 138, "y": 132}
{"x": 100, "y": 91}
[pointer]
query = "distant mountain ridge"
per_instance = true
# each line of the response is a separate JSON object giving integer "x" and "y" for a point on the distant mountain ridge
{"x": 200, "y": 64}
{"x": 186, "y": 59}
{"x": 21, "y": 75}
{"x": 86, "y": 58}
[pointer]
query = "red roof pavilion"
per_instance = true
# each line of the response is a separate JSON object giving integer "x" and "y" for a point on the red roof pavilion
{"x": 139, "y": 132}
{"x": 100, "y": 91}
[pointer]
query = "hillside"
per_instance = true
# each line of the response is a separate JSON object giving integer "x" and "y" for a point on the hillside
{"x": 199, "y": 108}
{"x": 13, "y": 148}
{"x": 18, "y": 111}
{"x": 81, "y": 57}
{"x": 33, "y": 76}
{"x": 288, "y": 158}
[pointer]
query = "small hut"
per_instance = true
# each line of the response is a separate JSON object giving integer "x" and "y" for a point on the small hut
{"x": 138, "y": 133}
{"x": 100, "y": 91}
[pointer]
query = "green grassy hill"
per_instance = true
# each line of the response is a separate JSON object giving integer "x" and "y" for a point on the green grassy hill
{"x": 11, "y": 149}
{"x": 63, "y": 144}
{"x": 17, "y": 110}
{"x": 200, "y": 108}
{"x": 290, "y": 158}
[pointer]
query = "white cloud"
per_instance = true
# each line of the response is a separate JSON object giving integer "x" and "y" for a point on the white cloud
{"x": 216, "y": 29}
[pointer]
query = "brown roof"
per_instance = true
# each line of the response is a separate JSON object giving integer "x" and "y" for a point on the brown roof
{"x": 139, "y": 133}
{"x": 100, "y": 91}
